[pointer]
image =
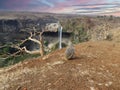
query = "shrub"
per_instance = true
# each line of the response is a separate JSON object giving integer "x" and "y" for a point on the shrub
{"x": 15, "y": 59}
{"x": 109, "y": 37}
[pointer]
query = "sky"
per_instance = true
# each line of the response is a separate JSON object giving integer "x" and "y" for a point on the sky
{"x": 82, "y": 7}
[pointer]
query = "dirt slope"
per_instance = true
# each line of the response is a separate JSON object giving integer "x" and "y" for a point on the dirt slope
{"x": 95, "y": 67}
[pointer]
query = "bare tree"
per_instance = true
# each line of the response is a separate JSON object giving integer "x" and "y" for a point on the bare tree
{"x": 31, "y": 38}
{"x": 34, "y": 36}
{"x": 40, "y": 42}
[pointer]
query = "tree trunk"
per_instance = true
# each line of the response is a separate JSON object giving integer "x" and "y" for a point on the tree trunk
{"x": 41, "y": 46}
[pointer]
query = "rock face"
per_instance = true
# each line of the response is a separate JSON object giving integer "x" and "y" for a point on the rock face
{"x": 52, "y": 37}
{"x": 12, "y": 31}
{"x": 9, "y": 25}
{"x": 9, "y": 31}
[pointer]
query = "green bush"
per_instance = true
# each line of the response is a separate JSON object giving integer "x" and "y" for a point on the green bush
{"x": 80, "y": 35}
{"x": 5, "y": 50}
{"x": 56, "y": 46}
{"x": 13, "y": 60}
{"x": 109, "y": 37}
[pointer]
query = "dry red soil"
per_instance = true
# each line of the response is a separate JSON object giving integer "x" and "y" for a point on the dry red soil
{"x": 96, "y": 66}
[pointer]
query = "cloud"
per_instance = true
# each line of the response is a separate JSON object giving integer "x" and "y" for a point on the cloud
{"x": 46, "y": 2}
{"x": 98, "y": 9}
{"x": 89, "y": 7}
{"x": 23, "y": 4}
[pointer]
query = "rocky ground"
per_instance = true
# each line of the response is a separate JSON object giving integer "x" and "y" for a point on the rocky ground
{"x": 96, "y": 66}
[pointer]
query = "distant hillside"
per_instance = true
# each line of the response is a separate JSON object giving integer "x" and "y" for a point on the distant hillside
{"x": 31, "y": 15}
{"x": 84, "y": 28}
{"x": 95, "y": 67}
{"x": 92, "y": 28}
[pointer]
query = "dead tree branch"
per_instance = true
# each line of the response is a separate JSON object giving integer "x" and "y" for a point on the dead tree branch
{"x": 31, "y": 52}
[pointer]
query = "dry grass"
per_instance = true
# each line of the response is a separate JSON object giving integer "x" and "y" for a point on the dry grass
{"x": 96, "y": 67}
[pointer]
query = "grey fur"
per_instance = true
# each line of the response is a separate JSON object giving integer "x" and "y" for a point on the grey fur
{"x": 70, "y": 52}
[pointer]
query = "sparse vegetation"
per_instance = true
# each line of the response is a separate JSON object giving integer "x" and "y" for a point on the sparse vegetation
{"x": 109, "y": 37}
{"x": 15, "y": 59}
{"x": 83, "y": 29}
{"x": 96, "y": 66}
{"x": 56, "y": 45}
